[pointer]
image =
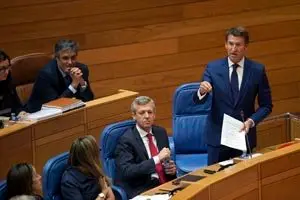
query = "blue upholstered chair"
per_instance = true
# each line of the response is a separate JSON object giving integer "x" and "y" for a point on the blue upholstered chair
{"x": 108, "y": 141}
{"x": 52, "y": 173}
{"x": 189, "y": 121}
{"x": 3, "y": 190}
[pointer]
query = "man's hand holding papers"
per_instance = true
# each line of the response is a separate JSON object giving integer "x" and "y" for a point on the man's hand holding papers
{"x": 231, "y": 135}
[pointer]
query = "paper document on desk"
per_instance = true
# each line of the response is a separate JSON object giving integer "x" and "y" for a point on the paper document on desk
{"x": 152, "y": 197}
{"x": 44, "y": 113}
{"x": 231, "y": 135}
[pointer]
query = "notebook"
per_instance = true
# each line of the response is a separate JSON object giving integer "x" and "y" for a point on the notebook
{"x": 64, "y": 104}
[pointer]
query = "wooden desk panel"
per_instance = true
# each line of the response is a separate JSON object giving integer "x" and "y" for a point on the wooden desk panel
{"x": 47, "y": 147}
{"x": 236, "y": 183}
{"x": 281, "y": 175}
{"x": 284, "y": 189}
{"x": 272, "y": 133}
{"x": 194, "y": 193}
{"x": 274, "y": 175}
{"x": 100, "y": 124}
{"x": 280, "y": 164}
{"x": 58, "y": 124}
{"x": 295, "y": 128}
{"x": 15, "y": 147}
{"x": 37, "y": 142}
{"x": 107, "y": 110}
{"x": 108, "y": 107}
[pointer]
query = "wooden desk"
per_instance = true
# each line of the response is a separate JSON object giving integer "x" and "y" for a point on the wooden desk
{"x": 37, "y": 142}
{"x": 15, "y": 146}
{"x": 274, "y": 175}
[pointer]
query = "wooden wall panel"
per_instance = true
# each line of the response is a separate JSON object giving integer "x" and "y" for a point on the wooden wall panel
{"x": 144, "y": 82}
{"x": 219, "y": 7}
{"x": 153, "y": 46}
{"x": 33, "y": 13}
{"x": 15, "y": 3}
{"x": 134, "y": 51}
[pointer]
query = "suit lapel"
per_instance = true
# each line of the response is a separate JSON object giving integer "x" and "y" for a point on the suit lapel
{"x": 140, "y": 143}
{"x": 224, "y": 73}
{"x": 246, "y": 76}
{"x": 59, "y": 79}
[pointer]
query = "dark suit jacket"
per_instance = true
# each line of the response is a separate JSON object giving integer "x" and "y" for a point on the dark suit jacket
{"x": 51, "y": 85}
{"x": 134, "y": 168}
{"x": 9, "y": 99}
{"x": 254, "y": 84}
{"x": 77, "y": 186}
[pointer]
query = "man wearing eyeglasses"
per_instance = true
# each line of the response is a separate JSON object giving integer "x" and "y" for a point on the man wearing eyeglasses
{"x": 61, "y": 77}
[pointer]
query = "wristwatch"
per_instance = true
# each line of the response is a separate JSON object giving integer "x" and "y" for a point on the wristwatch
{"x": 83, "y": 87}
{"x": 102, "y": 195}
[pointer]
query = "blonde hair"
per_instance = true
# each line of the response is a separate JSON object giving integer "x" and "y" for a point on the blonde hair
{"x": 141, "y": 100}
{"x": 84, "y": 155}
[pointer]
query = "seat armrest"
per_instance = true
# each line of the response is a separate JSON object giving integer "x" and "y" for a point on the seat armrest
{"x": 119, "y": 193}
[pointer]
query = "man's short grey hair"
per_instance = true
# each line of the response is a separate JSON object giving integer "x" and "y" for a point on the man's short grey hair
{"x": 22, "y": 197}
{"x": 63, "y": 45}
{"x": 141, "y": 100}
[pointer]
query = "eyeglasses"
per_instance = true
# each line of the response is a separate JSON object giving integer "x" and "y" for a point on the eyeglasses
{"x": 3, "y": 69}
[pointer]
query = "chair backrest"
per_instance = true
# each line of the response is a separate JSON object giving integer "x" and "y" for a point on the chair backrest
{"x": 3, "y": 190}
{"x": 24, "y": 72}
{"x": 189, "y": 120}
{"x": 108, "y": 141}
{"x": 52, "y": 174}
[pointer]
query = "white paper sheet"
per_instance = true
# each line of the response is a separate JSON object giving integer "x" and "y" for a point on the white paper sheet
{"x": 231, "y": 135}
{"x": 44, "y": 113}
{"x": 226, "y": 162}
{"x": 153, "y": 197}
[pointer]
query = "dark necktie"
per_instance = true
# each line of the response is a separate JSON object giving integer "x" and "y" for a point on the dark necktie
{"x": 68, "y": 79}
{"x": 158, "y": 167}
{"x": 234, "y": 81}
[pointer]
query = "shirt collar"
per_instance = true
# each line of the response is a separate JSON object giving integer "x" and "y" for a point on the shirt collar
{"x": 62, "y": 72}
{"x": 241, "y": 63}
{"x": 142, "y": 132}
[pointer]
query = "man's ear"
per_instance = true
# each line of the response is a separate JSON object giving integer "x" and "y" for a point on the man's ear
{"x": 133, "y": 116}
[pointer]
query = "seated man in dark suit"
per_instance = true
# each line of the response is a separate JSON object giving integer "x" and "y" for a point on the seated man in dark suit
{"x": 142, "y": 153}
{"x": 61, "y": 77}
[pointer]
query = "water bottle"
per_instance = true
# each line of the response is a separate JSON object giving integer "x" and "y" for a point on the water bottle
{"x": 13, "y": 117}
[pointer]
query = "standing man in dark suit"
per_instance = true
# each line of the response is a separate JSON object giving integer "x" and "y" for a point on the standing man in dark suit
{"x": 61, "y": 77}
{"x": 234, "y": 82}
{"x": 142, "y": 153}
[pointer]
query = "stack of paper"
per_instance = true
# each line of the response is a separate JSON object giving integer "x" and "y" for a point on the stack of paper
{"x": 152, "y": 197}
{"x": 231, "y": 135}
{"x": 64, "y": 104}
{"x": 44, "y": 113}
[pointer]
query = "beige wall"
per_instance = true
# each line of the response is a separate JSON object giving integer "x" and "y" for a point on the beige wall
{"x": 152, "y": 46}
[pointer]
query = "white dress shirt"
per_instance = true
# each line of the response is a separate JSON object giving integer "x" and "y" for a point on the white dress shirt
{"x": 145, "y": 139}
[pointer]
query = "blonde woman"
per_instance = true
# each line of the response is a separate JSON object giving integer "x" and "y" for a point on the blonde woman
{"x": 84, "y": 178}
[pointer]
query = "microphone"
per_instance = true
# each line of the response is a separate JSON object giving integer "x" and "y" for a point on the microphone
{"x": 246, "y": 135}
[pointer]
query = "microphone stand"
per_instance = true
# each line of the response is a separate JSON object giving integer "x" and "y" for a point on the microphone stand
{"x": 246, "y": 135}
